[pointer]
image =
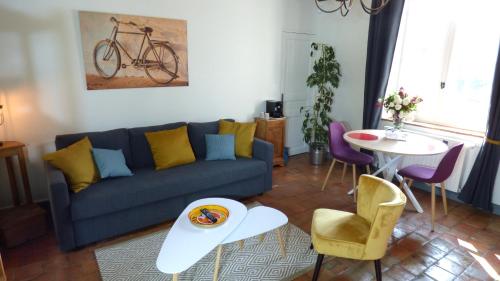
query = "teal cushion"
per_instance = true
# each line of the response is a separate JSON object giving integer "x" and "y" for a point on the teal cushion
{"x": 110, "y": 163}
{"x": 220, "y": 147}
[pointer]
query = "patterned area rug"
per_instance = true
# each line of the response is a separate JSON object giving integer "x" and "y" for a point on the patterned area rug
{"x": 136, "y": 259}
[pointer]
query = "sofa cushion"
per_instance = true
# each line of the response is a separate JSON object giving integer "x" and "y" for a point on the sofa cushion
{"x": 139, "y": 146}
{"x": 110, "y": 163}
{"x": 170, "y": 148}
{"x": 197, "y": 132}
{"x": 112, "y": 139}
{"x": 220, "y": 147}
{"x": 148, "y": 185}
{"x": 243, "y": 134}
{"x": 81, "y": 173}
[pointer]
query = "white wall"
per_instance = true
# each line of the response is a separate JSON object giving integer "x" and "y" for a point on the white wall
{"x": 349, "y": 36}
{"x": 234, "y": 49}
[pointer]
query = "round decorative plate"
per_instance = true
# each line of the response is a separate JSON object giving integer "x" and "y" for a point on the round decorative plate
{"x": 363, "y": 136}
{"x": 197, "y": 218}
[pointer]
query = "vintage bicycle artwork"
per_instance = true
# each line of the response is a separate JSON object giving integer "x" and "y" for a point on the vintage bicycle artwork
{"x": 123, "y": 51}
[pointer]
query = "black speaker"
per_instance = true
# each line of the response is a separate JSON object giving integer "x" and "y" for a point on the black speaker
{"x": 274, "y": 108}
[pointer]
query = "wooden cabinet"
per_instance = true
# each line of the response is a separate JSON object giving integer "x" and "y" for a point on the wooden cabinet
{"x": 273, "y": 131}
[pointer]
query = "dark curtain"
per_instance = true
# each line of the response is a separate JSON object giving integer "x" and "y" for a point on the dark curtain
{"x": 382, "y": 37}
{"x": 478, "y": 188}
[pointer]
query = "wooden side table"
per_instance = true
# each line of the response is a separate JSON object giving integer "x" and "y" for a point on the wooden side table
{"x": 273, "y": 131}
{"x": 9, "y": 150}
{"x": 21, "y": 223}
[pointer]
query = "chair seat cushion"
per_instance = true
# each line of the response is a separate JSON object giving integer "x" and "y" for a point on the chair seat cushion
{"x": 418, "y": 172}
{"x": 352, "y": 156}
{"x": 339, "y": 233}
{"x": 148, "y": 185}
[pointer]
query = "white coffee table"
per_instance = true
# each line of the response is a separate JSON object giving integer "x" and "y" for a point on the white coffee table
{"x": 258, "y": 221}
{"x": 186, "y": 244}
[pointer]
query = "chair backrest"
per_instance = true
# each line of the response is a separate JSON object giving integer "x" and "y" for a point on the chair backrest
{"x": 381, "y": 203}
{"x": 336, "y": 132}
{"x": 447, "y": 164}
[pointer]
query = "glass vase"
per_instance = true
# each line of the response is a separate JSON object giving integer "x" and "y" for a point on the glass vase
{"x": 398, "y": 122}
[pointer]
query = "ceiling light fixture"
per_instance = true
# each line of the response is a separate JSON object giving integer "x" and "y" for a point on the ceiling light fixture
{"x": 344, "y": 6}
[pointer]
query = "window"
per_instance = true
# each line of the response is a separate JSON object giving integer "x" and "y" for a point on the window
{"x": 446, "y": 54}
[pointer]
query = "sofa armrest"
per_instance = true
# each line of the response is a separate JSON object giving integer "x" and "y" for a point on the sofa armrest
{"x": 60, "y": 206}
{"x": 264, "y": 150}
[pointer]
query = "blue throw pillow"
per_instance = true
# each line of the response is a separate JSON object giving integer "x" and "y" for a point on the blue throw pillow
{"x": 110, "y": 163}
{"x": 220, "y": 147}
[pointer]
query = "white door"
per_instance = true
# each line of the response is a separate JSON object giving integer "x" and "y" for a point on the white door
{"x": 295, "y": 68}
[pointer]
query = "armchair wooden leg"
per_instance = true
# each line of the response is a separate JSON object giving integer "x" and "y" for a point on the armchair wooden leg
{"x": 354, "y": 182}
{"x": 368, "y": 170}
{"x": 378, "y": 270}
{"x": 343, "y": 173}
{"x": 328, "y": 175}
{"x": 443, "y": 194}
{"x": 319, "y": 261}
{"x": 433, "y": 204}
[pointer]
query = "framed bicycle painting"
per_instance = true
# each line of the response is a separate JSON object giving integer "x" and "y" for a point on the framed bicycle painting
{"x": 124, "y": 51}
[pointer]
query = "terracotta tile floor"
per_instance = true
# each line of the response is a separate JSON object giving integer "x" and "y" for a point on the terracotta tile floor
{"x": 465, "y": 245}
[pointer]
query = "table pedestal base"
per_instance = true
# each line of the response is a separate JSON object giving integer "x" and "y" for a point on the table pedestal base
{"x": 389, "y": 167}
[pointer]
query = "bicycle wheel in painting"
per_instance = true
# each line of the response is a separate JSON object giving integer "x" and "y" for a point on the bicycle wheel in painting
{"x": 107, "y": 58}
{"x": 161, "y": 63}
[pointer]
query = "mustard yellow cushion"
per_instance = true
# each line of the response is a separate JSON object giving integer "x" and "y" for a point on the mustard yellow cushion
{"x": 243, "y": 136}
{"x": 170, "y": 148}
{"x": 76, "y": 162}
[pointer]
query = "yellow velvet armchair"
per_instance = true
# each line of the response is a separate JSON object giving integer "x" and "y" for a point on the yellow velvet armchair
{"x": 364, "y": 235}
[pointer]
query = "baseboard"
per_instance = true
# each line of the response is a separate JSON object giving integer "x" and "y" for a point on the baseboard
{"x": 451, "y": 195}
{"x": 45, "y": 204}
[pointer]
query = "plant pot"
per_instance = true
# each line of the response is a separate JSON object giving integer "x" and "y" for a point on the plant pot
{"x": 316, "y": 154}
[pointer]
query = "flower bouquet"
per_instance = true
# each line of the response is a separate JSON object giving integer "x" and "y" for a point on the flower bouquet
{"x": 399, "y": 104}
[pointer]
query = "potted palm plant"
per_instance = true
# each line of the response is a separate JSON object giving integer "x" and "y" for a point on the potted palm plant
{"x": 324, "y": 78}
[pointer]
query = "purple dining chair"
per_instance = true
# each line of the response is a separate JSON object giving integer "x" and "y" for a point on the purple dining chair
{"x": 433, "y": 175}
{"x": 342, "y": 152}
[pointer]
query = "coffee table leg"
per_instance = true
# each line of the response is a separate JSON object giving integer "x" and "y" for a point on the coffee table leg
{"x": 262, "y": 237}
{"x": 217, "y": 262}
{"x": 281, "y": 242}
{"x": 242, "y": 243}
{"x": 175, "y": 277}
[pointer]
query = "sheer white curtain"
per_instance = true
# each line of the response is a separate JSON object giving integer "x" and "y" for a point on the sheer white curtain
{"x": 446, "y": 54}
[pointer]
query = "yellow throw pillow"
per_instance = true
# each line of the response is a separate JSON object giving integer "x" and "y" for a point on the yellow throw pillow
{"x": 243, "y": 136}
{"x": 170, "y": 148}
{"x": 76, "y": 162}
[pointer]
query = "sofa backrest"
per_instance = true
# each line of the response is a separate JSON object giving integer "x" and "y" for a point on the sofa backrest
{"x": 197, "y": 132}
{"x": 112, "y": 139}
{"x": 134, "y": 144}
{"x": 139, "y": 146}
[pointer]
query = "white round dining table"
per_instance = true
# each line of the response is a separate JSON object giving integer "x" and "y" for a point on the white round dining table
{"x": 390, "y": 152}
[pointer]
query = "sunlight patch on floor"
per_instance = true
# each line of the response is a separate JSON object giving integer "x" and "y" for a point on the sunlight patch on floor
{"x": 487, "y": 266}
{"x": 466, "y": 245}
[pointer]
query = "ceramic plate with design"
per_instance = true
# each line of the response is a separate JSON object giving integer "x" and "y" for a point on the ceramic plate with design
{"x": 197, "y": 218}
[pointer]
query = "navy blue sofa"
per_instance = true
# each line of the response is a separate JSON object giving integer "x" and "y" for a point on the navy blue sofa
{"x": 116, "y": 206}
